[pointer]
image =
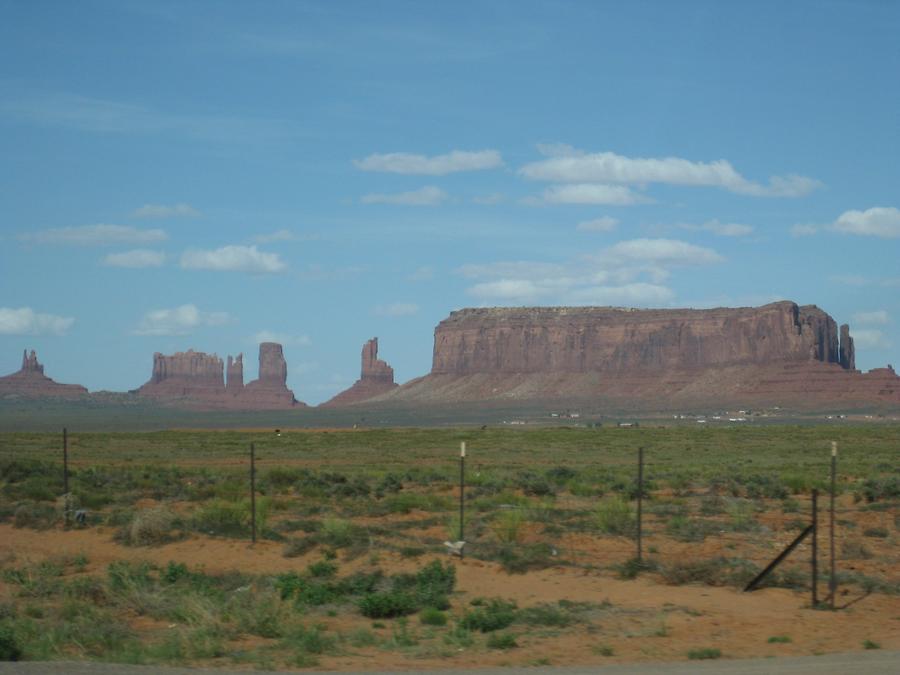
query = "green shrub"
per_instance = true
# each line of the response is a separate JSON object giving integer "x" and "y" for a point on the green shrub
{"x": 545, "y": 615}
{"x": 387, "y": 605}
{"x": 433, "y": 617}
{"x": 534, "y": 485}
{"x": 876, "y": 532}
{"x": 495, "y": 614}
{"x": 501, "y": 641}
{"x": 322, "y": 569}
{"x": 704, "y": 653}
{"x": 297, "y": 547}
{"x": 507, "y": 526}
{"x": 10, "y": 649}
{"x": 615, "y": 516}
{"x": 870, "y": 644}
{"x": 221, "y": 517}
{"x": 520, "y": 558}
{"x": 37, "y": 516}
{"x": 779, "y": 639}
{"x": 337, "y": 532}
{"x": 853, "y": 549}
{"x": 149, "y": 527}
{"x": 713, "y": 571}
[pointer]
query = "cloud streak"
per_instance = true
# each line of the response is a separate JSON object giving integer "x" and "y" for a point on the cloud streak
{"x": 628, "y": 273}
{"x": 246, "y": 259}
{"x": 94, "y": 235}
{"x": 439, "y": 165}
{"x": 426, "y": 196}
{"x": 25, "y": 321}
{"x": 135, "y": 259}
{"x": 878, "y": 221}
{"x": 568, "y": 165}
{"x": 282, "y": 338}
{"x": 182, "y": 320}
{"x": 104, "y": 116}
{"x": 396, "y": 309}
{"x": 163, "y": 211}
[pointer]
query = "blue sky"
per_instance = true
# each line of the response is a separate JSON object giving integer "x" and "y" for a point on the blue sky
{"x": 208, "y": 174}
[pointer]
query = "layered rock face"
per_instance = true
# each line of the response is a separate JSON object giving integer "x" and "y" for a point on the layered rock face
{"x": 376, "y": 378}
{"x": 778, "y": 353}
{"x": 186, "y": 373}
{"x": 234, "y": 374}
{"x": 198, "y": 379}
{"x": 609, "y": 340}
{"x": 30, "y": 382}
{"x": 270, "y": 389}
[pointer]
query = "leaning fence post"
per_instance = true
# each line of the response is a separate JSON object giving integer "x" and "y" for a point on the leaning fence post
{"x": 832, "y": 582}
{"x": 253, "y": 492}
{"x": 815, "y": 547}
{"x": 640, "y": 498}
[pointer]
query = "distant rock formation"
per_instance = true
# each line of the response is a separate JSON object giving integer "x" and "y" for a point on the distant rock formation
{"x": 612, "y": 340}
{"x": 270, "y": 389}
{"x": 234, "y": 375}
{"x": 197, "y": 380}
{"x": 30, "y": 382}
{"x": 777, "y": 353}
{"x": 848, "y": 352}
{"x": 376, "y": 378}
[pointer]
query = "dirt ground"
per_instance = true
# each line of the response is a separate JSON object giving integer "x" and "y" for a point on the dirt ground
{"x": 642, "y": 620}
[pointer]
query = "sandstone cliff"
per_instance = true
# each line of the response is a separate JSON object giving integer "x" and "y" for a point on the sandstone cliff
{"x": 778, "y": 353}
{"x": 197, "y": 379}
{"x": 30, "y": 382}
{"x": 270, "y": 389}
{"x": 610, "y": 340}
{"x": 376, "y": 378}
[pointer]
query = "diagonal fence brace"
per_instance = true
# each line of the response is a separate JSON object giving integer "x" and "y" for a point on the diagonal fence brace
{"x": 781, "y": 556}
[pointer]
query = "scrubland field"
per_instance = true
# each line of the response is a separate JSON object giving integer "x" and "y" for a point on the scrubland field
{"x": 350, "y": 569}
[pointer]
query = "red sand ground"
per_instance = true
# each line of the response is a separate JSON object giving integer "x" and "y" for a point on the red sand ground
{"x": 647, "y": 621}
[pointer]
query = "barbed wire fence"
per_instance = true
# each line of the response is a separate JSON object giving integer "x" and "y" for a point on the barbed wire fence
{"x": 695, "y": 533}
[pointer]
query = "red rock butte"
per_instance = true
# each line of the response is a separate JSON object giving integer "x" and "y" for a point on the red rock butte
{"x": 777, "y": 353}
{"x": 30, "y": 382}
{"x": 376, "y": 378}
{"x": 197, "y": 380}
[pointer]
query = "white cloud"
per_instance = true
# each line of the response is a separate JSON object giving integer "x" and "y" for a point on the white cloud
{"x": 278, "y": 235}
{"x": 490, "y": 199}
{"x": 439, "y": 165}
{"x": 137, "y": 258}
{"x": 178, "y": 320}
{"x": 659, "y": 251}
{"x": 163, "y": 211}
{"x": 282, "y": 338}
{"x": 25, "y": 321}
{"x": 233, "y": 259}
{"x": 602, "y": 224}
{"x": 870, "y": 338}
{"x": 722, "y": 229}
{"x": 426, "y": 196}
{"x": 520, "y": 269}
{"x": 627, "y": 294}
{"x": 424, "y": 273}
{"x": 613, "y": 276}
{"x": 803, "y": 230}
{"x": 119, "y": 117}
{"x": 878, "y": 221}
{"x": 587, "y": 193}
{"x": 95, "y": 235}
{"x": 397, "y": 309}
{"x": 567, "y": 165}
{"x": 877, "y": 318}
